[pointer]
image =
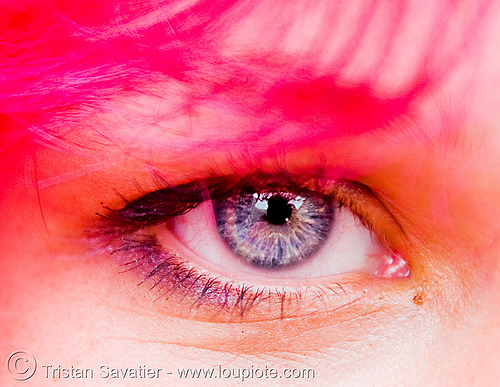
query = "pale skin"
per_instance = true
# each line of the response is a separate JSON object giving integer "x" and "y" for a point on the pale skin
{"x": 70, "y": 305}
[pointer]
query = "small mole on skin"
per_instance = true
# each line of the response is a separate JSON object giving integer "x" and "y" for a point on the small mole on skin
{"x": 418, "y": 299}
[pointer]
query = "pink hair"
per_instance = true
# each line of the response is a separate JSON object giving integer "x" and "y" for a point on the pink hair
{"x": 61, "y": 60}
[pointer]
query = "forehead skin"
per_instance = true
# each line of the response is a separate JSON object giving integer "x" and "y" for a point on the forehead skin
{"x": 434, "y": 163}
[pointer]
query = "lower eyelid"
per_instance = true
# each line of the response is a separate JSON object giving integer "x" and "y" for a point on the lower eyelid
{"x": 205, "y": 297}
{"x": 209, "y": 298}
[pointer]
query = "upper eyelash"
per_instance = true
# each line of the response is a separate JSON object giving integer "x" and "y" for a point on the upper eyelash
{"x": 162, "y": 205}
{"x": 159, "y": 206}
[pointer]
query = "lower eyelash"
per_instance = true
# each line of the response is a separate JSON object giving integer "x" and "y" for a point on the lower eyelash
{"x": 172, "y": 277}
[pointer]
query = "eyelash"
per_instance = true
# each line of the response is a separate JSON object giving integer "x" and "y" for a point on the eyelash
{"x": 123, "y": 233}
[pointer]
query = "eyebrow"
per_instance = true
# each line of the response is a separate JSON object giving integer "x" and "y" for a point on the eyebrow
{"x": 301, "y": 106}
{"x": 343, "y": 110}
{"x": 319, "y": 108}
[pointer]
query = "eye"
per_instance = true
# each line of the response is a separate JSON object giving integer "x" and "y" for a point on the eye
{"x": 227, "y": 243}
{"x": 270, "y": 228}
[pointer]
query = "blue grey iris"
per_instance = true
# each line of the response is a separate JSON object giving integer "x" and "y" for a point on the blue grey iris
{"x": 274, "y": 229}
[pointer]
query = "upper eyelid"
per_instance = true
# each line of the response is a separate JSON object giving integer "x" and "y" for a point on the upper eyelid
{"x": 159, "y": 206}
{"x": 166, "y": 203}
{"x": 163, "y": 204}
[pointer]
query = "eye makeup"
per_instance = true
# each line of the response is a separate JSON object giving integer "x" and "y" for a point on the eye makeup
{"x": 131, "y": 235}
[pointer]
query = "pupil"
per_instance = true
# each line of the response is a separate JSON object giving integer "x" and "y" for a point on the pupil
{"x": 278, "y": 210}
